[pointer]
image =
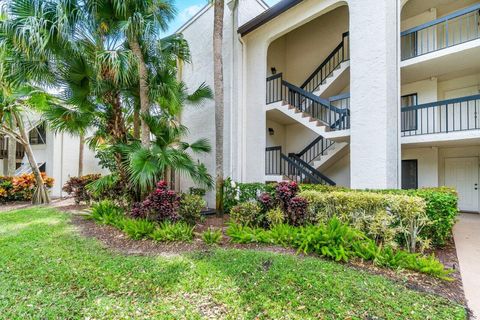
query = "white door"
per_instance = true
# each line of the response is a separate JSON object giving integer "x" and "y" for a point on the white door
{"x": 462, "y": 174}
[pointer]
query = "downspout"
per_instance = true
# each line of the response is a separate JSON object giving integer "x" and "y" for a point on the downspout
{"x": 242, "y": 114}
{"x": 232, "y": 90}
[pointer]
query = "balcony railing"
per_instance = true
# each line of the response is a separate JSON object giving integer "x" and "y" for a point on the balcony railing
{"x": 460, "y": 114}
{"x": 453, "y": 29}
{"x": 318, "y": 108}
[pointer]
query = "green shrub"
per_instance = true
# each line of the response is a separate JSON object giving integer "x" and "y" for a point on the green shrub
{"x": 247, "y": 214}
{"x": 191, "y": 208}
{"x": 337, "y": 241}
{"x": 441, "y": 209}
{"x": 275, "y": 216}
{"x": 106, "y": 212}
{"x": 212, "y": 237}
{"x": 386, "y": 218}
{"x": 173, "y": 232}
{"x": 197, "y": 191}
{"x": 138, "y": 228}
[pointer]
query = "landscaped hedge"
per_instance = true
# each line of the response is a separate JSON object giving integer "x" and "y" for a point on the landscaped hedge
{"x": 386, "y": 218}
{"x": 441, "y": 208}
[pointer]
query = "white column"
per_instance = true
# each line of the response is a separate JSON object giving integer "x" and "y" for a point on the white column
{"x": 375, "y": 144}
{"x": 253, "y": 112}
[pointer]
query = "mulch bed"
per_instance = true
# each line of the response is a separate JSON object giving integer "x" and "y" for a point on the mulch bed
{"x": 114, "y": 239}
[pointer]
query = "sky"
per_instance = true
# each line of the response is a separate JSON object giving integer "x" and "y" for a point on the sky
{"x": 188, "y": 8}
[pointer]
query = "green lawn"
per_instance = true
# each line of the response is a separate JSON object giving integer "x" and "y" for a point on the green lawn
{"x": 47, "y": 271}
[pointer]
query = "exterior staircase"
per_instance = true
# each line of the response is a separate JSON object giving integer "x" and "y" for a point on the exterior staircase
{"x": 326, "y": 117}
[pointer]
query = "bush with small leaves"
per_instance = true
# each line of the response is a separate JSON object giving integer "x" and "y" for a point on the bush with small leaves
{"x": 275, "y": 216}
{"x": 212, "y": 236}
{"x": 190, "y": 208}
{"x": 247, "y": 214}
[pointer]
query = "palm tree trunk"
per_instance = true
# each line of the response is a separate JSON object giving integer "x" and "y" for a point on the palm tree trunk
{"x": 219, "y": 100}
{"x": 40, "y": 196}
{"x": 81, "y": 149}
{"x": 136, "y": 123}
{"x": 144, "y": 90}
{"x": 12, "y": 156}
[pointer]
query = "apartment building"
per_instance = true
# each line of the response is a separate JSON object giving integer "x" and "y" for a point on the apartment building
{"x": 360, "y": 93}
{"x": 56, "y": 154}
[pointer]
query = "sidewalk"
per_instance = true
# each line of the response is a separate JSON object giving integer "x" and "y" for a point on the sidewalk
{"x": 467, "y": 241}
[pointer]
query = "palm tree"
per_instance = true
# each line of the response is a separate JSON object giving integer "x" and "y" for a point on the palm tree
{"x": 141, "y": 21}
{"x": 218, "y": 8}
{"x": 13, "y": 102}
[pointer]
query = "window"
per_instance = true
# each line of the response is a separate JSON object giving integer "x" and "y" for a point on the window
{"x": 42, "y": 167}
{"x": 409, "y": 118}
{"x": 409, "y": 174}
{"x": 38, "y": 135}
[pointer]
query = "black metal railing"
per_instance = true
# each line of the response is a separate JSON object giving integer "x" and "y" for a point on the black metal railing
{"x": 292, "y": 167}
{"x": 453, "y": 29}
{"x": 273, "y": 161}
{"x": 342, "y": 104}
{"x": 315, "y": 149}
{"x": 460, "y": 114}
{"x": 340, "y": 54}
{"x": 275, "y": 88}
{"x": 306, "y": 102}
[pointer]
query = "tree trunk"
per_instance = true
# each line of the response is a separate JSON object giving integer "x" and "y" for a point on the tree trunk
{"x": 40, "y": 196}
{"x": 219, "y": 100}
{"x": 144, "y": 90}
{"x": 12, "y": 157}
{"x": 81, "y": 149}
{"x": 136, "y": 123}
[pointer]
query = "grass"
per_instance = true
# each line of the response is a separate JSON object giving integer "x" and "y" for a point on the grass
{"x": 48, "y": 271}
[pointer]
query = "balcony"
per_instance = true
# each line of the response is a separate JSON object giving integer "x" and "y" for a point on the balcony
{"x": 454, "y": 29}
{"x": 442, "y": 120}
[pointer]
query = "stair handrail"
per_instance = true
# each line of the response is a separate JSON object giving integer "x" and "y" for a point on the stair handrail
{"x": 344, "y": 57}
{"x": 314, "y": 172}
{"x": 300, "y": 169}
{"x": 325, "y": 145}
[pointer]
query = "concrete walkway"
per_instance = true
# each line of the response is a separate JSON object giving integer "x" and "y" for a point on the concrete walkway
{"x": 467, "y": 241}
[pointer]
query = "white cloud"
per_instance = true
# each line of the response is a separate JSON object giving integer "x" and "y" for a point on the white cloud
{"x": 189, "y": 12}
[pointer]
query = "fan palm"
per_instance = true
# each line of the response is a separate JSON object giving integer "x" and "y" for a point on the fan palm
{"x": 140, "y": 21}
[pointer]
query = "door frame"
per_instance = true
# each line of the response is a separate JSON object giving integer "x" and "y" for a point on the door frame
{"x": 478, "y": 179}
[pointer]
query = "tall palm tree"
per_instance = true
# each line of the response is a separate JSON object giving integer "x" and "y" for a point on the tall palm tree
{"x": 218, "y": 85}
{"x": 141, "y": 21}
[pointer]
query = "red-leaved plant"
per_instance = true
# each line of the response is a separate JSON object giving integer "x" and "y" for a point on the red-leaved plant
{"x": 160, "y": 205}
{"x": 285, "y": 191}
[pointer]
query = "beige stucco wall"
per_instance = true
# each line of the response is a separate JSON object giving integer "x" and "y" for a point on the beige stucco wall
{"x": 298, "y": 53}
{"x": 201, "y": 120}
{"x": 427, "y": 164}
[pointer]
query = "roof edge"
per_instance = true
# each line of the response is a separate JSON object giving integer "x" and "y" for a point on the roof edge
{"x": 266, "y": 16}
